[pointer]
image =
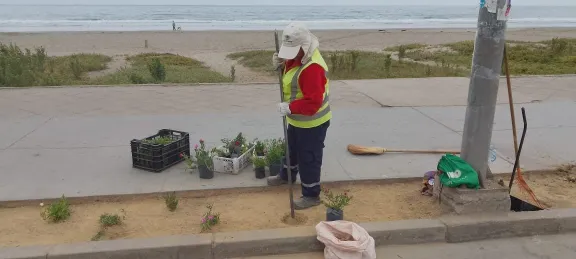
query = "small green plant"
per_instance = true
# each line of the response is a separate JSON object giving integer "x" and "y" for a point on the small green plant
{"x": 137, "y": 79}
{"x": 101, "y": 233}
{"x": 233, "y": 73}
{"x": 275, "y": 151}
{"x": 401, "y": 52}
{"x": 108, "y": 220}
{"x": 335, "y": 201}
{"x": 203, "y": 156}
{"x": 354, "y": 59}
{"x": 334, "y": 61}
{"x": 171, "y": 201}
{"x": 76, "y": 68}
{"x": 387, "y": 63}
{"x": 428, "y": 71}
{"x": 57, "y": 212}
{"x": 190, "y": 163}
{"x": 160, "y": 140}
{"x": 259, "y": 162}
{"x": 558, "y": 46}
{"x": 157, "y": 70}
{"x": 259, "y": 148}
{"x": 209, "y": 219}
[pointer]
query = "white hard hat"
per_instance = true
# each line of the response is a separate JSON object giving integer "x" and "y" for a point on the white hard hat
{"x": 295, "y": 36}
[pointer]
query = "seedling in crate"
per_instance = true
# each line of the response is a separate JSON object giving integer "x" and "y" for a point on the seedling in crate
{"x": 235, "y": 147}
{"x": 162, "y": 140}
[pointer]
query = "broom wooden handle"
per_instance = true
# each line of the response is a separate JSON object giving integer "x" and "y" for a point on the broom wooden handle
{"x": 423, "y": 151}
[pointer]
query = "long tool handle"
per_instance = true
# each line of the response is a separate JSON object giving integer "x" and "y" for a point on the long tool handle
{"x": 511, "y": 102}
{"x": 517, "y": 161}
{"x": 288, "y": 164}
{"x": 423, "y": 151}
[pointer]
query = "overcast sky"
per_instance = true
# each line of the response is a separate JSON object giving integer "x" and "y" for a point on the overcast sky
{"x": 297, "y": 2}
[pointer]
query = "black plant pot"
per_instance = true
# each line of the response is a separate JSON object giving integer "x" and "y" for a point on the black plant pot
{"x": 205, "y": 172}
{"x": 275, "y": 169}
{"x": 334, "y": 215}
{"x": 260, "y": 172}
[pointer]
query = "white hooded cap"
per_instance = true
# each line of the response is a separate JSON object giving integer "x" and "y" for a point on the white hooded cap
{"x": 295, "y": 36}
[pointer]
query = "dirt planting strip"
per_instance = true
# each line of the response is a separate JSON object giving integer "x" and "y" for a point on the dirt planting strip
{"x": 451, "y": 229}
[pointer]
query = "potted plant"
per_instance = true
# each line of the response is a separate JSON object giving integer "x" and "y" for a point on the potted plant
{"x": 234, "y": 155}
{"x": 335, "y": 204}
{"x": 202, "y": 161}
{"x": 259, "y": 167}
{"x": 259, "y": 148}
{"x": 275, "y": 151}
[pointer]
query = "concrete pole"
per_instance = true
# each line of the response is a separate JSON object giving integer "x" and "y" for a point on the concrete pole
{"x": 484, "y": 83}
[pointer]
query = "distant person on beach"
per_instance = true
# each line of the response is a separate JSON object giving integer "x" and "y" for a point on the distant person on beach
{"x": 173, "y": 25}
{"x": 306, "y": 108}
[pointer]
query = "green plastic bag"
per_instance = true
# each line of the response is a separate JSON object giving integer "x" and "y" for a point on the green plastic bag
{"x": 454, "y": 171}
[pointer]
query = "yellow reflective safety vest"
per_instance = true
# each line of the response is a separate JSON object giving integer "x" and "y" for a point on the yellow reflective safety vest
{"x": 292, "y": 92}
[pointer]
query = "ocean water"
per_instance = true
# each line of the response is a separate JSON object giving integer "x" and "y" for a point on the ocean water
{"x": 194, "y": 18}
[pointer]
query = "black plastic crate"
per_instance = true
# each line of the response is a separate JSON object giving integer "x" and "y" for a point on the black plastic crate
{"x": 158, "y": 157}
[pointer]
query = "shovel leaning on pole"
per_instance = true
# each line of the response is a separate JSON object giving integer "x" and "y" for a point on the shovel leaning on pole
{"x": 284, "y": 126}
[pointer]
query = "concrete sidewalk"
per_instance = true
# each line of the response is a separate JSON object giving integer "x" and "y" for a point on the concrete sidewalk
{"x": 75, "y": 141}
{"x": 537, "y": 247}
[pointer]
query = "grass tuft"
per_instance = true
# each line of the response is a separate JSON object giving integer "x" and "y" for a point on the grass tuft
{"x": 108, "y": 220}
{"x": 58, "y": 211}
{"x": 171, "y": 201}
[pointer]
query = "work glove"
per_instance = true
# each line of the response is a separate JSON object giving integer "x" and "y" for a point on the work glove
{"x": 284, "y": 109}
{"x": 276, "y": 61}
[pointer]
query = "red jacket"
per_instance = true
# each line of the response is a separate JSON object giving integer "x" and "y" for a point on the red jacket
{"x": 312, "y": 84}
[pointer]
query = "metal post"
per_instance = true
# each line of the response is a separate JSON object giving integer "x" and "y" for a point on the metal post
{"x": 284, "y": 125}
{"x": 484, "y": 83}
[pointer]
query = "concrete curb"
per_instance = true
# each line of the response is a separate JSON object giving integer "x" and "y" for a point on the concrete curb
{"x": 449, "y": 229}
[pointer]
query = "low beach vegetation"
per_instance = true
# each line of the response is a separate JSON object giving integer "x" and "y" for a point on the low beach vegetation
{"x": 355, "y": 65}
{"x": 551, "y": 57}
{"x": 34, "y": 67}
{"x": 27, "y": 67}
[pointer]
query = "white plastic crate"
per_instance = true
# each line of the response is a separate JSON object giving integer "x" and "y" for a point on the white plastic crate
{"x": 233, "y": 165}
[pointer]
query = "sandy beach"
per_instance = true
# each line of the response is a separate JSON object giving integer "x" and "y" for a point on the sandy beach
{"x": 211, "y": 47}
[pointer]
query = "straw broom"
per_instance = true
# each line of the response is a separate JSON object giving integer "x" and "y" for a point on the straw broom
{"x": 362, "y": 150}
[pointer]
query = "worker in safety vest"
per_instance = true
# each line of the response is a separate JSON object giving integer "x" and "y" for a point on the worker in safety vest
{"x": 307, "y": 110}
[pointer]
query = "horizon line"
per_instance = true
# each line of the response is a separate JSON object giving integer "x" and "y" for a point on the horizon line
{"x": 283, "y": 5}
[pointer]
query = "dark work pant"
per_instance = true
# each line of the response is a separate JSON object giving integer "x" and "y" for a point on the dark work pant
{"x": 306, "y": 152}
